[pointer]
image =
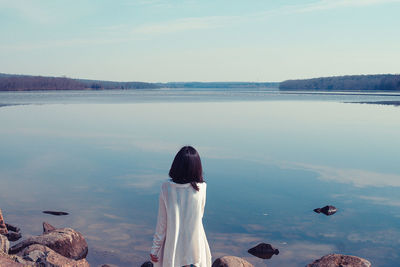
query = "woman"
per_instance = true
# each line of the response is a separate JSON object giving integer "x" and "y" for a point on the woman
{"x": 180, "y": 239}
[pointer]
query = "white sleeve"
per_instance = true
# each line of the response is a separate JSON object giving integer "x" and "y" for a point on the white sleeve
{"x": 159, "y": 236}
{"x": 204, "y": 199}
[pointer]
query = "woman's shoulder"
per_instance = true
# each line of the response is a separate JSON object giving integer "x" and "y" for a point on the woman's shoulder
{"x": 202, "y": 185}
{"x": 172, "y": 184}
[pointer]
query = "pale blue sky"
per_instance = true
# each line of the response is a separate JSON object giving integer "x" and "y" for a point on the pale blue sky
{"x": 208, "y": 40}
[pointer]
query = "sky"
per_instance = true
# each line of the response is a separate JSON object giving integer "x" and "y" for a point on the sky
{"x": 205, "y": 40}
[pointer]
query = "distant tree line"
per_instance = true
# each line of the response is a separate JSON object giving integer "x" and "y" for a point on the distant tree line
{"x": 22, "y": 83}
{"x": 13, "y": 82}
{"x": 224, "y": 85}
{"x": 384, "y": 82}
{"x": 9, "y": 82}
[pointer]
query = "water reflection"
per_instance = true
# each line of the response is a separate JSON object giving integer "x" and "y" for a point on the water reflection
{"x": 268, "y": 165}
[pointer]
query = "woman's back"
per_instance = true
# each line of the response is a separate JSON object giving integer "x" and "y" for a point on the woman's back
{"x": 182, "y": 208}
{"x": 180, "y": 239}
{"x": 185, "y": 208}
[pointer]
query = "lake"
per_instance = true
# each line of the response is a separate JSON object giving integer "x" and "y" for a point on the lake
{"x": 269, "y": 159}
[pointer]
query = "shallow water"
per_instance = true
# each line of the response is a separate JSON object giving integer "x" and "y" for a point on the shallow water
{"x": 269, "y": 160}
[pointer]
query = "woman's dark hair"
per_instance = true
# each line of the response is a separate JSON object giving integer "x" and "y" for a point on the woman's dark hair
{"x": 186, "y": 167}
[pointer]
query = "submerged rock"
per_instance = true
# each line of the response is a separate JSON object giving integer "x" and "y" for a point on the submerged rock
{"x": 65, "y": 241}
{"x": 327, "y": 210}
{"x": 13, "y": 228}
{"x": 338, "y": 260}
{"x": 57, "y": 213}
{"x": 231, "y": 261}
{"x": 12, "y": 236}
{"x": 263, "y": 251}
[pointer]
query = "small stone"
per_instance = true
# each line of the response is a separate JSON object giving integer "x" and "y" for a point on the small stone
{"x": 57, "y": 213}
{"x": 338, "y": 260}
{"x": 12, "y": 236}
{"x": 13, "y": 228}
{"x": 327, "y": 210}
{"x": 231, "y": 261}
{"x": 263, "y": 251}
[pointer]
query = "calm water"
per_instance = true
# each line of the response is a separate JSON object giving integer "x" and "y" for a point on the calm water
{"x": 269, "y": 160}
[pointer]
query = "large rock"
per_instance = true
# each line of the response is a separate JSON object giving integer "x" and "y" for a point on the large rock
{"x": 8, "y": 262}
{"x": 231, "y": 261}
{"x": 45, "y": 256}
{"x": 336, "y": 260}
{"x": 3, "y": 227}
{"x": 11, "y": 261}
{"x": 4, "y": 244}
{"x": 65, "y": 241}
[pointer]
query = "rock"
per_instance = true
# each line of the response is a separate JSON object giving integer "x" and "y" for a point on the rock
{"x": 47, "y": 228}
{"x": 231, "y": 261}
{"x": 327, "y": 210}
{"x": 57, "y": 213}
{"x": 45, "y": 256}
{"x": 12, "y": 236}
{"x": 65, "y": 241}
{"x": 147, "y": 264}
{"x": 34, "y": 255}
{"x": 4, "y": 244}
{"x": 8, "y": 230}
{"x": 13, "y": 228}
{"x": 338, "y": 260}
{"x": 6, "y": 261}
{"x": 3, "y": 227}
{"x": 263, "y": 251}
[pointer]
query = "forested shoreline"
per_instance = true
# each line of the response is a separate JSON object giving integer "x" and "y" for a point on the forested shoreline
{"x": 10, "y": 82}
{"x": 382, "y": 82}
{"x": 13, "y": 82}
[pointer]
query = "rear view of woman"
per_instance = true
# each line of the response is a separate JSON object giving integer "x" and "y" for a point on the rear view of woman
{"x": 180, "y": 239}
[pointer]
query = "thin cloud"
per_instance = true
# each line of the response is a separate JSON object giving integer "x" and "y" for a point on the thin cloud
{"x": 65, "y": 43}
{"x": 184, "y": 24}
{"x": 332, "y": 4}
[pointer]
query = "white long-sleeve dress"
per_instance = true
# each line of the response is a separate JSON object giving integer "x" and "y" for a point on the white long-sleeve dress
{"x": 180, "y": 238}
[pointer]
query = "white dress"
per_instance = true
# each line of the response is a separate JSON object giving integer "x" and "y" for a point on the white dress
{"x": 180, "y": 238}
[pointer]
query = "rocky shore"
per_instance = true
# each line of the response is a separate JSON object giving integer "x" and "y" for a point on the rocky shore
{"x": 65, "y": 247}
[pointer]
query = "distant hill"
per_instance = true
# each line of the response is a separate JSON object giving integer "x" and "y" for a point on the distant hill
{"x": 12, "y": 82}
{"x": 221, "y": 85}
{"x": 383, "y": 82}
